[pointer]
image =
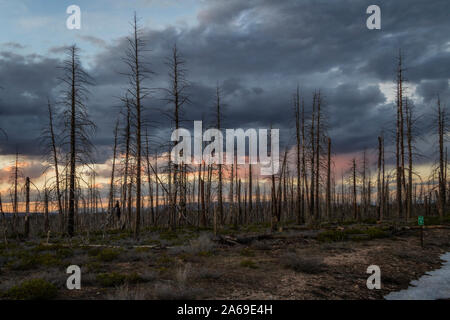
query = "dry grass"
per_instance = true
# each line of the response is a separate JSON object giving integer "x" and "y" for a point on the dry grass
{"x": 163, "y": 291}
{"x": 203, "y": 244}
{"x": 124, "y": 292}
{"x": 207, "y": 274}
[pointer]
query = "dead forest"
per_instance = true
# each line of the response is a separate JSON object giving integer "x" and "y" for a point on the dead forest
{"x": 150, "y": 191}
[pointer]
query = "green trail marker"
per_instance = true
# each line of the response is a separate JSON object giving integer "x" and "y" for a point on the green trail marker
{"x": 420, "y": 220}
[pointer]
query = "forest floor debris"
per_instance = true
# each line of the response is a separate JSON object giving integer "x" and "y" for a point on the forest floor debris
{"x": 194, "y": 264}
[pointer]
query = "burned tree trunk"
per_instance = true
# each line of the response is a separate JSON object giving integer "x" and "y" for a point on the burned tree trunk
{"x": 380, "y": 187}
{"x": 220, "y": 196}
{"x": 75, "y": 80}
{"x": 409, "y": 203}
{"x": 399, "y": 138}
{"x": 27, "y": 208}
{"x": 328, "y": 193}
{"x": 111, "y": 184}
{"x": 317, "y": 146}
{"x": 55, "y": 163}
{"x": 299, "y": 168}
{"x": 355, "y": 208}
{"x": 313, "y": 157}
{"x": 442, "y": 178}
{"x": 46, "y": 222}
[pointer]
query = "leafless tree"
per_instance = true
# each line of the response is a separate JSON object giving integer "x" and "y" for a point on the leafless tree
{"x": 77, "y": 126}
{"x": 138, "y": 72}
{"x": 50, "y": 151}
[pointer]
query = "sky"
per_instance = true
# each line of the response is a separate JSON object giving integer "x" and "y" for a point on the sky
{"x": 257, "y": 51}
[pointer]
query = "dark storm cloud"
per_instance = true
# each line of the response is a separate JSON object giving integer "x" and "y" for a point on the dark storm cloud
{"x": 257, "y": 51}
{"x": 430, "y": 89}
{"x": 26, "y": 81}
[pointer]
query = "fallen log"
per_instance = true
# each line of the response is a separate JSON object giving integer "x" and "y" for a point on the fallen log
{"x": 242, "y": 240}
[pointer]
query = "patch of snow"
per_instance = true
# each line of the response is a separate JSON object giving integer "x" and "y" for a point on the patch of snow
{"x": 431, "y": 286}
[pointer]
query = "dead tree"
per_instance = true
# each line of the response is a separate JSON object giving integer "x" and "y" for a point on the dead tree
{"x": 78, "y": 127}
{"x": 442, "y": 176}
{"x": 16, "y": 183}
{"x": 176, "y": 95}
{"x": 250, "y": 189}
{"x": 312, "y": 160}
{"x": 137, "y": 73}
{"x": 298, "y": 163}
{"x": 364, "y": 191}
{"x": 328, "y": 191}
{"x": 50, "y": 151}
{"x": 46, "y": 221}
{"x": 380, "y": 179}
{"x": 317, "y": 162}
{"x": 355, "y": 208}
{"x": 127, "y": 138}
{"x": 27, "y": 208}
{"x": 111, "y": 184}
{"x": 409, "y": 139}
{"x": 304, "y": 188}
{"x": 399, "y": 138}
{"x": 220, "y": 182}
{"x": 149, "y": 179}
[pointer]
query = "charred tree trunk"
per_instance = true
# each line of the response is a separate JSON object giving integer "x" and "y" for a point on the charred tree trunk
{"x": 409, "y": 202}
{"x": 355, "y": 208}
{"x": 328, "y": 195}
{"x": 313, "y": 167}
{"x": 111, "y": 184}
{"x": 442, "y": 178}
{"x": 55, "y": 163}
{"x": 298, "y": 163}
{"x": 317, "y": 188}
{"x": 399, "y": 138}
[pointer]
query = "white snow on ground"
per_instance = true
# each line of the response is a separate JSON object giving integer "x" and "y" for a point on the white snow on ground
{"x": 431, "y": 286}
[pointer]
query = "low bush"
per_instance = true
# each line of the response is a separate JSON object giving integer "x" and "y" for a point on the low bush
{"x": 111, "y": 279}
{"x": 247, "y": 263}
{"x": 34, "y": 289}
{"x": 108, "y": 254}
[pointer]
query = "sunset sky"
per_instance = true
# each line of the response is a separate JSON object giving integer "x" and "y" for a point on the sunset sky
{"x": 256, "y": 50}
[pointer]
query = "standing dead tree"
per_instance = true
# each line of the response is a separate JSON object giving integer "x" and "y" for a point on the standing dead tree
{"x": 442, "y": 162}
{"x": 176, "y": 96}
{"x": 127, "y": 141}
{"x": 220, "y": 182}
{"x": 138, "y": 72}
{"x": 113, "y": 169}
{"x": 149, "y": 179}
{"x": 399, "y": 154}
{"x": 409, "y": 138}
{"x": 317, "y": 162}
{"x": 15, "y": 181}
{"x": 77, "y": 126}
{"x": 298, "y": 137}
{"x": 354, "y": 197}
{"x": 328, "y": 190}
{"x": 50, "y": 151}
{"x": 312, "y": 161}
{"x": 380, "y": 180}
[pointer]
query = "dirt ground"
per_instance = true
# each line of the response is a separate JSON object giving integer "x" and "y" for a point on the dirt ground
{"x": 292, "y": 264}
